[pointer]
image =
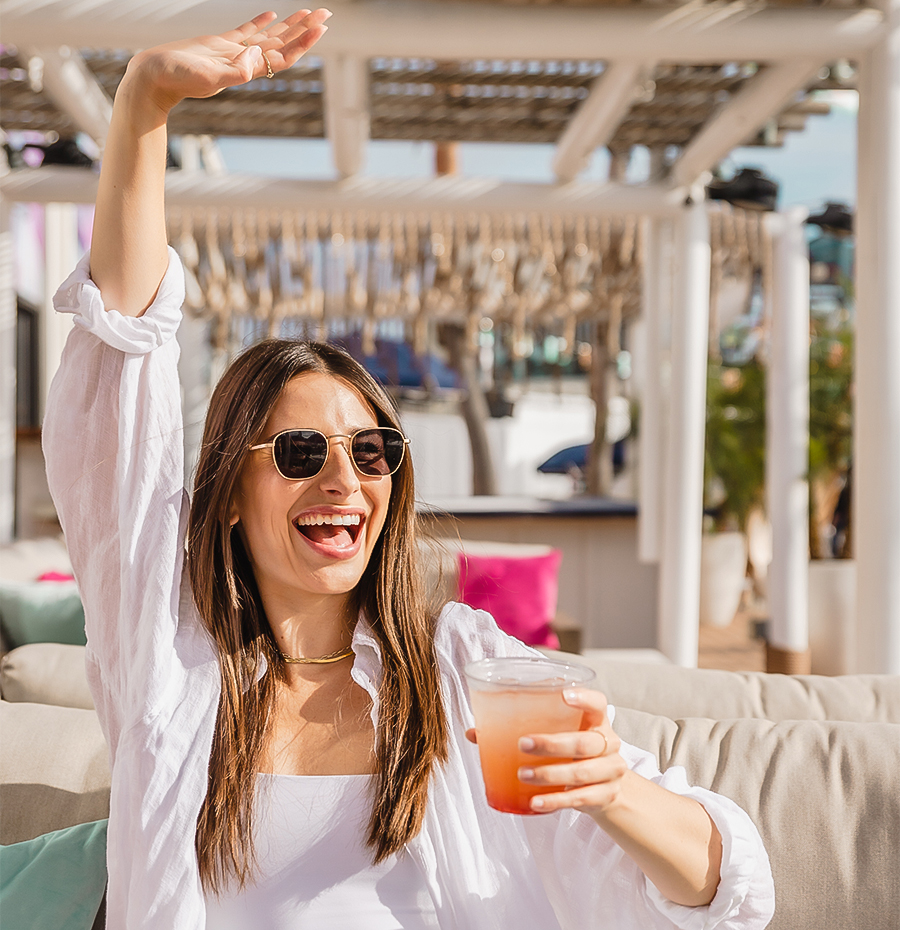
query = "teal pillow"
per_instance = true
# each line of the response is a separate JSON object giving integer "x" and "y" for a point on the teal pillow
{"x": 55, "y": 881}
{"x": 41, "y": 612}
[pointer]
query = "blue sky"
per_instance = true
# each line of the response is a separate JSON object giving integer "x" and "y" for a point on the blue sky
{"x": 812, "y": 167}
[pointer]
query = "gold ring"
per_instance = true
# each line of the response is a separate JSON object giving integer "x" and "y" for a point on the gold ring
{"x": 605, "y": 743}
{"x": 269, "y": 72}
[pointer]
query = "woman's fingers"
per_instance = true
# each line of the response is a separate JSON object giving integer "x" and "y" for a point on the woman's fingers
{"x": 277, "y": 36}
{"x": 575, "y": 774}
{"x": 582, "y": 744}
{"x": 287, "y": 41}
{"x": 251, "y": 28}
{"x": 598, "y": 796}
{"x": 593, "y": 705}
{"x": 590, "y": 771}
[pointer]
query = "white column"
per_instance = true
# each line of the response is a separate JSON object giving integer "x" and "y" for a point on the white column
{"x": 876, "y": 457}
{"x": 347, "y": 111}
{"x": 679, "y": 582}
{"x": 787, "y": 436}
{"x": 194, "y": 366}
{"x": 7, "y": 378}
{"x": 656, "y": 287}
{"x": 61, "y": 252}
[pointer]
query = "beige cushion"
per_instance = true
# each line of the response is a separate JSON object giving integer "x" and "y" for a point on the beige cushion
{"x": 54, "y": 770}
{"x": 25, "y": 559}
{"x": 45, "y": 673}
{"x": 679, "y": 692}
{"x": 824, "y": 795}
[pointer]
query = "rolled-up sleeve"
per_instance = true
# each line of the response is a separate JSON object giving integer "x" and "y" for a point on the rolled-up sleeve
{"x": 112, "y": 439}
{"x": 745, "y": 897}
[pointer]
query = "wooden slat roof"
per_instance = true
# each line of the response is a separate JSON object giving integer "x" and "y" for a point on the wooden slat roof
{"x": 426, "y": 100}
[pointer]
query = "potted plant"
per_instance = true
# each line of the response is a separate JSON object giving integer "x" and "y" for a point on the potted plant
{"x": 734, "y": 483}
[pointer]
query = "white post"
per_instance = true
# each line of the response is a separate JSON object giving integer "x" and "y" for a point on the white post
{"x": 876, "y": 457}
{"x": 7, "y": 378}
{"x": 194, "y": 366}
{"x": 60, "y": 257}
{"x": 787, "y": 448}
{"x": 679, "y": 583}
{"x": 652, "y": 422}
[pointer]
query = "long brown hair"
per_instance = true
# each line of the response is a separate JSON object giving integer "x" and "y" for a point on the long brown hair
{"x": 412, "y": 731}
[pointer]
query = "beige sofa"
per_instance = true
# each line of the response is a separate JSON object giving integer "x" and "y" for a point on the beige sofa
{"x": 814, "y": 761}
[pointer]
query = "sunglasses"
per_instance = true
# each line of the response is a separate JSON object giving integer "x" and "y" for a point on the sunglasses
{"x": 302, "y": 453}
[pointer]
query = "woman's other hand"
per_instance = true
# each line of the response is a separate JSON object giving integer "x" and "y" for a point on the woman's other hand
{"x": 206, "y": 65}
{"x": 590, "y": 777}
{"x": 671, "y": 838}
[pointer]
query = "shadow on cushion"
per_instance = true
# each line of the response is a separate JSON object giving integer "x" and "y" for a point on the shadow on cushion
{"x": 54, "y": 770}
{"x": 824, "y": 796}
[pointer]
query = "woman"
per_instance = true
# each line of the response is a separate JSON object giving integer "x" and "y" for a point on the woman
{"x": 287, "y": 724}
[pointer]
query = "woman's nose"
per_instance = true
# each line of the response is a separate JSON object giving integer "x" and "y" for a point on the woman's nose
{"x": 339, "y": 473}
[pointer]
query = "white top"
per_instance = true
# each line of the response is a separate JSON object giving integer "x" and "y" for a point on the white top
{"x": 313, "y": 866}
{"x": 112, "y": 441}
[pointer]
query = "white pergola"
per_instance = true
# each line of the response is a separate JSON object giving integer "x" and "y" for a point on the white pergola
{"x": 793, "y": 43}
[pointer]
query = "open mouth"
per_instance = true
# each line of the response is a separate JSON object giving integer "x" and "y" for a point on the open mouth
{"x": 335, "y": 530}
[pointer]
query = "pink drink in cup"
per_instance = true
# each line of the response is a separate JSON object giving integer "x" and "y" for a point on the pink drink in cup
{"x": 512, "y": 698}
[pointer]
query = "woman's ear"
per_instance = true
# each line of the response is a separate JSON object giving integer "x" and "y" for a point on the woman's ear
{"x": 233, "y": 515}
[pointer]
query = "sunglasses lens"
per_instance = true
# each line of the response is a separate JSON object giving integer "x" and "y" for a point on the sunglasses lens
{"x": 300, "y": 453}
{"x": 378, "y": 451}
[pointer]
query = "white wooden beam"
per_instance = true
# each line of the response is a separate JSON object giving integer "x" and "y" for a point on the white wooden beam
{"x": 69, "y": 83}
{"x": 598, "y": 117}
{"x": 61, "y": 253}
{"x": 453, "y": 194}
{"x": 656, "y": 318}
{"x": 7, "y": 376}
{"x": 679, "y": 569}
{"x": 347, "y": 111}
{"x": 787, "y": 442}
{"x": 876, "y": 428}
{"x": 758, "y": 100}
{"x": 405, "y": 28}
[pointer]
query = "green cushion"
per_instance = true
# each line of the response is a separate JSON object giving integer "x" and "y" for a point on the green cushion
{"x": 41, "y": 612}
{"x": 54, "y": 881}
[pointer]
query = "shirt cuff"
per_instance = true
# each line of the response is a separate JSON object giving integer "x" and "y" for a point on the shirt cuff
{"x": 741, "y": 851}
{"x": 134, "y": 335}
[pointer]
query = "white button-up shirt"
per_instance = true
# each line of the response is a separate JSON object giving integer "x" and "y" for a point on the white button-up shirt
{"x": 113, "y": 445}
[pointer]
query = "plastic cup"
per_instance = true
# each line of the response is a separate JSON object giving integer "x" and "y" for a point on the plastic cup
{"x": 512, "y": 698}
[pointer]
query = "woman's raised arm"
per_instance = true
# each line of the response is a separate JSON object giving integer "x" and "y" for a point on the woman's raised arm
{"x": 128, "y": 251}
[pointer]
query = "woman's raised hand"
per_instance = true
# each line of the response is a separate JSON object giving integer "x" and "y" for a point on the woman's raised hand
{"x": 128, "y": 250}
{"x": 206, "y": 65}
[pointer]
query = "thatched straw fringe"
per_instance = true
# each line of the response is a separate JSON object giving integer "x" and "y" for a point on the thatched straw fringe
{"x": 307, "y": 272}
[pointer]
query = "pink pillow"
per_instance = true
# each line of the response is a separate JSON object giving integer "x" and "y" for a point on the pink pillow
{"x": 55, "y": 576}
{"x": 520, "y": 593}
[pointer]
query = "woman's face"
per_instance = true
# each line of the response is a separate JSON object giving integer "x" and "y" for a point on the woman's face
{"x": 293, "y": 551}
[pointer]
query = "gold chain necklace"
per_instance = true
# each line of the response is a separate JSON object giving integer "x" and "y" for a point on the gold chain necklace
{"x": 319, "y": 660}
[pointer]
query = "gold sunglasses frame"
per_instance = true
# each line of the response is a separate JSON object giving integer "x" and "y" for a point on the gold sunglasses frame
{"x": 348, "y": 447}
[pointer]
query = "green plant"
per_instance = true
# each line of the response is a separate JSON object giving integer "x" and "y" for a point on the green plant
{"x": 830, "y": 403}
{"x": 734, "y": 472}
{"x": 830, "y": 435}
